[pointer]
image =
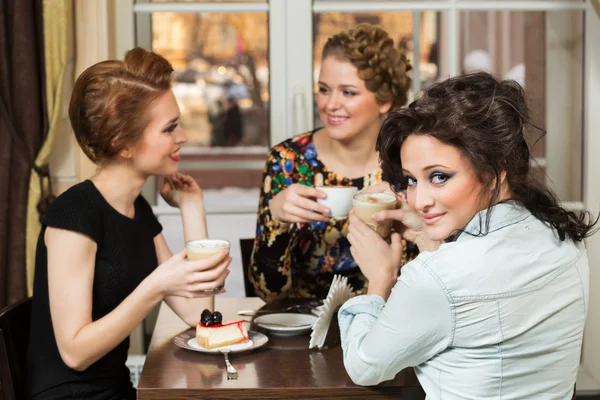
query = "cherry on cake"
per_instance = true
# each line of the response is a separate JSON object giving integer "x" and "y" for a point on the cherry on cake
{"x": 211, "y": 332}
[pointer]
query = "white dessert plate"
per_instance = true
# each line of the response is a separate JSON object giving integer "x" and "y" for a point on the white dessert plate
{"x": 187, "y": 340}
{"x": 286, "y": 324}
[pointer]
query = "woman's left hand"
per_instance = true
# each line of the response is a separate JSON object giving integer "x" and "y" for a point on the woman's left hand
{"x": 379, "y": 261}
{"x": 179, "y": 189}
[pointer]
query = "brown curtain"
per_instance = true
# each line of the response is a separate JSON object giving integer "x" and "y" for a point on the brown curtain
{"x": 23, "y": 127}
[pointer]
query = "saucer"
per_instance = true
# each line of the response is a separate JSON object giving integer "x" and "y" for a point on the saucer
{"x": 286, "y": 324}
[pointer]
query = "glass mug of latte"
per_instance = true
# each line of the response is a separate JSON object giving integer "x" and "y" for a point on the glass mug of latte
{"x": 202, "y": 249}
{"x": 367, "y": 204}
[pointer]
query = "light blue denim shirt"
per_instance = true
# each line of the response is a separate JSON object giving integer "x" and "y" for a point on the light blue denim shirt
{"x": 499, "y": 316}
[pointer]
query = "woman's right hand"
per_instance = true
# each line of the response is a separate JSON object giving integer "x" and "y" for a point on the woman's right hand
{"x": 191, "y": 279}
{"x": 296, "y": 204}
{"x": 407, "y": 221}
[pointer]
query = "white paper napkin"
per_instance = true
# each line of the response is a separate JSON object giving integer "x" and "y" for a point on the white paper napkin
{"x": 339, "y": 292}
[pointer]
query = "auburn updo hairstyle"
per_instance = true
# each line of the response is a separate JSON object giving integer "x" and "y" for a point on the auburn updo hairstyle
{"x": 110, "y": 102}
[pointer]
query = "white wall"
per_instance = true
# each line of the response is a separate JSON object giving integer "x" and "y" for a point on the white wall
{"x": 564, "y": 83}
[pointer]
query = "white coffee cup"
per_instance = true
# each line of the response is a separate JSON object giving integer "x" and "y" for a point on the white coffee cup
{"x": 339, "y": 199}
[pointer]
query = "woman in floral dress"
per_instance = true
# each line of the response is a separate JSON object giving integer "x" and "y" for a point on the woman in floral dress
{"x": 298, "y": 247}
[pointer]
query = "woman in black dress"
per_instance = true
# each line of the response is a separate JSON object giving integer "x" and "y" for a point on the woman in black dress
{"x": 102, "y": 262}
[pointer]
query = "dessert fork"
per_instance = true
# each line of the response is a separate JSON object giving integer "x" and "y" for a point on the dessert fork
{"x": 231, "y": 372}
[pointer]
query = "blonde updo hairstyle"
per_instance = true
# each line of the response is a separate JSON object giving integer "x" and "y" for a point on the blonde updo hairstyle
{"x": 110, "y": 102}
{"x": 380, "y": 65}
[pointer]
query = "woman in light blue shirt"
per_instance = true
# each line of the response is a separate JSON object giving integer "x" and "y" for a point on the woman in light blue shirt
{"x": 495, "y": 305}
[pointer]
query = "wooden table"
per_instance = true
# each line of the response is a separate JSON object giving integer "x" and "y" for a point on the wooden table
{"x": 282, "y": 369}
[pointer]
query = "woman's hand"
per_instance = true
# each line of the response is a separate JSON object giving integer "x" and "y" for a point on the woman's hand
{"x": 179, "y": 189}
{"x": 409, "y": 224}
{"x": 379, "y": 261}
{"x": 190, "y": 279}
{"x": 296, "y": 204}
{"x": 407, "y": 221}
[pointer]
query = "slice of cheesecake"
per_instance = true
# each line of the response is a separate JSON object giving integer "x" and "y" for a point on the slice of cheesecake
{"x": 226, "y": 334}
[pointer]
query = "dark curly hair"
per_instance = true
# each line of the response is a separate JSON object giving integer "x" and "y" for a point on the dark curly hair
{"x": 487, "y": 121}
{"x": 382, "y": 66}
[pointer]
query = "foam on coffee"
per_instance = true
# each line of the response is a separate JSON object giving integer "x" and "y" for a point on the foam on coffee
{"x": 204, "y": 248}
{"x": 208, "y": 244}
{"x": 375, "y": 198}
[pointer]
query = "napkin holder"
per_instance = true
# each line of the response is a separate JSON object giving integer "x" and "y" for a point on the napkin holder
{"x": 326, "y": 330}
{"x": 332, "y": 338}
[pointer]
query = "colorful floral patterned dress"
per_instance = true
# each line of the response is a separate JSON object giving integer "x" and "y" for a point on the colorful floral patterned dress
{"x": 299, "y": 260}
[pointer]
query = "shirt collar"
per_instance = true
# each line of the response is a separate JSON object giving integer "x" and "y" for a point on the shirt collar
{"x": 501, "y": 215}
